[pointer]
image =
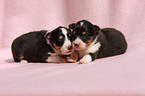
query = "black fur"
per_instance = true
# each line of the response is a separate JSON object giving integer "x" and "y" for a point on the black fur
{"x": 113, "y": 43}
{"x": 31, "y": 47}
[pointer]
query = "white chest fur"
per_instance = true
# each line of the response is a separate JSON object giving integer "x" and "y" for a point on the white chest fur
{"x": 91, "y": 49}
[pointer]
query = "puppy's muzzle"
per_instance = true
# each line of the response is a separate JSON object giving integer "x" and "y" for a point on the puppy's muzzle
{"x": 76, "y": 45}
{"x": 70, "y": 48}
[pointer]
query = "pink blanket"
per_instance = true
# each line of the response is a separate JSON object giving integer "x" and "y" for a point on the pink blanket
{"x": 122, "y": 75}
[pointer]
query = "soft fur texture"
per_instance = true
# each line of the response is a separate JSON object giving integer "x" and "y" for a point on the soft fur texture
{"x": 43, "y": 46}
{"x": 91, "y": 42}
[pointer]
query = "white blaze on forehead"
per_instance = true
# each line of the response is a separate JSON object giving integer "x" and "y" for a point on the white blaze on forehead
{"x": 67, "y": 42}
{"x": 81, "y": 23}
{"x": 64, "y": 31}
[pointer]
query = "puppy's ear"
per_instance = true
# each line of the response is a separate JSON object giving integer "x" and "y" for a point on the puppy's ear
{"x": 71, "y": 26}
{"x": 47, "y": 35}
{"x": 96, "y": 28}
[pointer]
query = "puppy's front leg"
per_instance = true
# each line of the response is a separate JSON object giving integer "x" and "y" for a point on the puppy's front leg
{"x": 56, "y": 59}
{"x": 91, "y": 54}
{"x": 73, "y": 57}
{"x": 87, "y": 58}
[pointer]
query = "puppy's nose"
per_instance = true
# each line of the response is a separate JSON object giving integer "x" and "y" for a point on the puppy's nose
{"x": 70, "y": 48}
{"x": 76, "y": 45}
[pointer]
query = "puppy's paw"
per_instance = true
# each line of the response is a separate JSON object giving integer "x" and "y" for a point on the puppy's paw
{"x": 62, "y": 60}
{"x": 71, "y": 60}
{"x": 86, "y": 59}
{"x": 23, "y": 61}
{"x": 73, "y": 57}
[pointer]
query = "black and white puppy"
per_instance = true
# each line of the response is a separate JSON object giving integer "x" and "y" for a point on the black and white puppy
{"x": 43, "y": 46}
{"x": 91, "y": 42}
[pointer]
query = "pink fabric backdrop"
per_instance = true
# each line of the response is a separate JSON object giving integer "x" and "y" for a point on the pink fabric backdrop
{"x": 21, "y": 16}
{"x": 122, "y": 75}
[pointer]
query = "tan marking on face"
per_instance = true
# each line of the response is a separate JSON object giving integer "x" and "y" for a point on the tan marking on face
{"x": 89, "y": 42}
{"x": 57, "y": 47}
{"x": 60, "y": 37}
{"x": 84, "y": 33}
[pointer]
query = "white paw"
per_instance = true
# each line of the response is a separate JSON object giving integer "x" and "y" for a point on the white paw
{"x": 23, "y": 61}
{"x": 86, "y": 59}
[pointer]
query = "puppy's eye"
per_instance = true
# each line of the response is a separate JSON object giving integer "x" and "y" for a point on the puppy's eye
{"x": 60, "y": 37}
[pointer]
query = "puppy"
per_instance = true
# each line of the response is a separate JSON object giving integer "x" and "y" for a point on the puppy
{"x": 91, "y": 42}
{"x": 43, "y": 46}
